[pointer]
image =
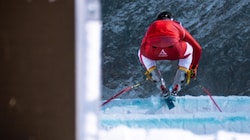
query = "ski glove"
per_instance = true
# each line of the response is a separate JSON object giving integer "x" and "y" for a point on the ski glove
{"x": 182, "y": 76}
{"x": 153, "y": 74}
{"x": 193, "y": 71}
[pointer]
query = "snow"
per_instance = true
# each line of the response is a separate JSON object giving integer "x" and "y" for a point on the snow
{"x": 125, "y": 133}
{"x": 192, "y": 118}
{"x": 88, "y": 68}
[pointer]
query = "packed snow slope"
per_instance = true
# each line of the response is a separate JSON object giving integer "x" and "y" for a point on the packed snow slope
{"x": 196, "y": 114}
{"x": 222, "y": 27}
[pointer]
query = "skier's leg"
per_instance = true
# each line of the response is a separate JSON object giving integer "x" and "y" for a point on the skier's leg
{"x": 186, "y": 62}
{"x": 146, "y": 62}
{"x": 182, "y": 74}
{"x": 152, "y": 72}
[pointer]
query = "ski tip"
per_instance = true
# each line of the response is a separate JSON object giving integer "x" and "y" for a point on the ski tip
{"x": 170, "y": 104}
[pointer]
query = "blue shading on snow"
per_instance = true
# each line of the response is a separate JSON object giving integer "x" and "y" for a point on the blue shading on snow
{"x": 194, "y": 114}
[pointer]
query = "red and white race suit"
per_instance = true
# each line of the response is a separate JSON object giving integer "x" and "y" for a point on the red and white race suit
{"x": 169, "y": 40}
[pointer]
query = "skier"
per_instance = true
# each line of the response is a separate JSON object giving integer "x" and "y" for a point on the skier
{"x": 167, "y": 39}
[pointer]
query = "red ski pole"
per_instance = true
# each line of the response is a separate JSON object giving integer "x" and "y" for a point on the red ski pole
{"x": 209, "y": 94}
{"x": 122, "y": 91}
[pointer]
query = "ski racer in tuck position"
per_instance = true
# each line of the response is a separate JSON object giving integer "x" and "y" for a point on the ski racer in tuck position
{"x": 167, "y": 39}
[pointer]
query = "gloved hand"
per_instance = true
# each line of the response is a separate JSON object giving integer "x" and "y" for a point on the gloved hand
{"x": 193, "y": 71}
{"x": 153, "y": 74}
{"x": 149, "y": 76}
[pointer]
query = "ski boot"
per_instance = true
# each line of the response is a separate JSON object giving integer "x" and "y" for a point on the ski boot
{"x": 181, "y": 79}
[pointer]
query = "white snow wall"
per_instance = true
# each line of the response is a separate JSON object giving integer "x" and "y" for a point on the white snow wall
{"x": 88, "y": 60}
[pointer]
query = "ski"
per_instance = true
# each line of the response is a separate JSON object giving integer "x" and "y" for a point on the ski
{"x": 169, "y": 97}
{"x": 170, "y": 101}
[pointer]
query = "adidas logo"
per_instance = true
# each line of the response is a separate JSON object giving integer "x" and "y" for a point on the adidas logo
{"x": 163, "y": 53}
